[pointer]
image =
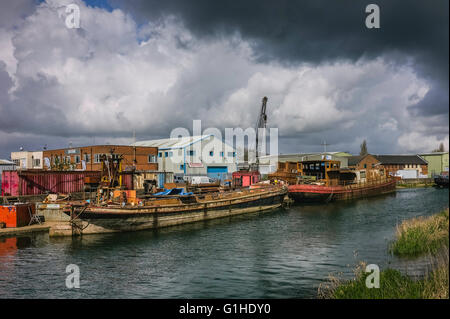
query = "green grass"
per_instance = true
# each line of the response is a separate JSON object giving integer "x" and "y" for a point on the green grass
{"x": 421, "y": 235}
{"x": 414, "y": 237}
{"x": 393, "y": 285}
{"x": 416, "y": 185}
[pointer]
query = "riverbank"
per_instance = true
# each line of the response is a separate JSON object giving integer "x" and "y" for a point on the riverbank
{"x": 421, "y": 235}
{"x": 16, "y": 231}
{"x": 414, "y": 237}
{"x": 415, "y": 183}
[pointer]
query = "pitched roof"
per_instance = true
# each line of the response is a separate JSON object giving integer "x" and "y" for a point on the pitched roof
{"x": 354, "y": 160}
{"x": 433, "y": 154}
{"x": 401, "y": 159}
{"x": 170, "y": 143}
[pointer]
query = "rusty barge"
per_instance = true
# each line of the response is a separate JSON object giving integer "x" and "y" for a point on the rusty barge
{"x": 157, "y": 212}
{"x": 322, "y": 193}
{"x": 325, "y": 181}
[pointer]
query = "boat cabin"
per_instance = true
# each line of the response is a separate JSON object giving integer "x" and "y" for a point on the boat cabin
{"x": 245, "y": 178}
{"x": 328, "y": 172}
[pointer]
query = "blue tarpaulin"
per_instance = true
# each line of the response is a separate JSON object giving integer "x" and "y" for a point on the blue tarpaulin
{"x": 173, "y": 191}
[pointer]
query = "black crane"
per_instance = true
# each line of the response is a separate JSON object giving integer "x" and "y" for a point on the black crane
{"x": 261, "y": 124}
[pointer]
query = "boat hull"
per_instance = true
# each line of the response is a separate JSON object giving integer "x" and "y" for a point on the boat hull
{"x": 441, "y": 181}
{"x": 315, "y": 193}
{"x": 106, "y": 220}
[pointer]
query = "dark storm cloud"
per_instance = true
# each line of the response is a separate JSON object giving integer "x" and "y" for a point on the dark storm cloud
{"x": 322, "y": 30}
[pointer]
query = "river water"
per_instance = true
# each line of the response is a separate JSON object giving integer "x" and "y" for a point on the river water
{"x": 285, "y": 253}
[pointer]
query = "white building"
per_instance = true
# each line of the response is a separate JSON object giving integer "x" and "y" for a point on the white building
{"x": 194, "y": 155}
{"x": 27, "y": 160}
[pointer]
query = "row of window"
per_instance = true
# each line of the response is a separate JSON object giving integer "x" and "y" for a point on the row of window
{"x": 36, "y": 162}
{"x": 97, "y": 158}
{"x": 403, "y": 166}
{"x": 192, "y": 153}
{"x": 316, "y": 166}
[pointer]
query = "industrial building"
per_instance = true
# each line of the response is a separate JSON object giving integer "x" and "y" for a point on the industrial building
{"x": 404, "y": 166}
{"x": 195, "y": 155}
{"x": 437, "y": 162}
{"x": 140, "y": 158}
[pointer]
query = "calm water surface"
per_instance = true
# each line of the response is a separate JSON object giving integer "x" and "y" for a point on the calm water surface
{"x": 285, "y": 253}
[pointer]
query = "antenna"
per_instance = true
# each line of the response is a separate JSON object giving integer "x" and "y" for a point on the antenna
{"x": 324, "y": 144}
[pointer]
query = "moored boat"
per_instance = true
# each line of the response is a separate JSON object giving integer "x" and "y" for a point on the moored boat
{"x": 158, "y": 212}
{"x": 324, "y": 181}
{"x": 322, "y": 193}
{"x": 441, "y": 180}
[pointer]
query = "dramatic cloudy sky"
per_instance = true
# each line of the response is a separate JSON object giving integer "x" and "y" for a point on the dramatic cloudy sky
{"x": 151, "y": 66}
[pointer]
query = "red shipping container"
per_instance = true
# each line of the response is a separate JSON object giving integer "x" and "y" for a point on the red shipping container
{"x": 17, "y": 183}
{"x": 16, "y": 215}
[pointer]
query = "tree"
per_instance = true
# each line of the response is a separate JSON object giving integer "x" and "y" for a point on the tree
{"x": 363, "y": 150}
{"x": 440, "y": 149}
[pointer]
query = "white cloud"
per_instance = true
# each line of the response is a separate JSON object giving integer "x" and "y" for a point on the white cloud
{"x": 416, "y": 142}
{"x": 113, "y": 76}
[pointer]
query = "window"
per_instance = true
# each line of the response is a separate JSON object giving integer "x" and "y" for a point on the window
{"x": 363, "y": 174}
{"x": 68, "y": 159}
{"x": 365, "y": 165}
{"x": 36, "y": 162}
{"x": 17, "y": 162}
{"x": 97, "y": 158}
{"x": 166, "y": 154}
{"x": 87, "y": 158}
{"x": 211, "y": 153}
{"x": 170, "y": 154}
{"x": 152, "y": 159}
{"x": 221, "y": 154}
{"x": 191, "y": 153}
{"x": 182, "y": 166}
{"x": 160, "y": 154}
{"x": 77, "y": 159}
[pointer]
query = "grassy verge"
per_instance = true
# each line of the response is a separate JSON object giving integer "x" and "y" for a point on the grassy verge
{"x": 422, "y": 235}
{"x": 393, "y": 285}
{"x": 414, "y": 237}
{"x": 417, "y": 185}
